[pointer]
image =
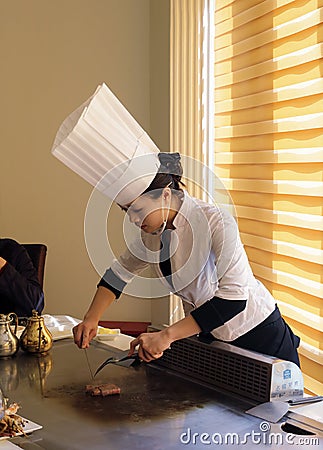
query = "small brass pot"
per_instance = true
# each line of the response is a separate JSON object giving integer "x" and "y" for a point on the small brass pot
{"x": 9, "y": 343}
{"x": 36, "y": 338}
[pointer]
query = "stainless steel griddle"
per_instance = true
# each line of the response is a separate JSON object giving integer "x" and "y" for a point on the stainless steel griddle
{"x": 158, "y": 408}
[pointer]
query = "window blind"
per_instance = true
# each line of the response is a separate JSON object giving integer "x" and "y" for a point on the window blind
{"x": 269, "y": 153}
{"x": 191, "y": 98}
{"x": 191, "y": 112}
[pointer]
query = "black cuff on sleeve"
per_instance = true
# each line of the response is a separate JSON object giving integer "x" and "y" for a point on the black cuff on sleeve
{"x": 112, "y": 282}
{"x": 215, "y": 312}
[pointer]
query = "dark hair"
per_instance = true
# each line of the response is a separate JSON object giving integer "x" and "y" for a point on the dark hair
{"x": 169, "y": 174}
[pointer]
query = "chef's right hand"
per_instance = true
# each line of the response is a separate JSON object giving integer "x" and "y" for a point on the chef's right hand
{"x": 84, "y": 332}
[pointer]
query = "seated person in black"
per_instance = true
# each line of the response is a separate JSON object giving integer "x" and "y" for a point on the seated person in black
{"x": 20, "y": 291}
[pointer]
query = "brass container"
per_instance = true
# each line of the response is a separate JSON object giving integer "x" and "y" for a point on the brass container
{"x": 36, "y": 338}
{"x": 9, "y": 343}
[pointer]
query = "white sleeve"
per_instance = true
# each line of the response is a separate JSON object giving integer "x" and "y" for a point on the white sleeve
{"x": 131, "y": 262}
{"x": 232, "y": 267}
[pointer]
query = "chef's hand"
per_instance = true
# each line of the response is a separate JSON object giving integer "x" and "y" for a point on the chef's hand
{"x": 84, "y": 332}
{"x": 151, "y": 345}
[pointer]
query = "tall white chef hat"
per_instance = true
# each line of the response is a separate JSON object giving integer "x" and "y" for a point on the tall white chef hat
{"x": 105, "y": 145}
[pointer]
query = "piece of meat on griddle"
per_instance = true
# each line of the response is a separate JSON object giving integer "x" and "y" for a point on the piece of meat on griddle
{"x": 102, "y": 389}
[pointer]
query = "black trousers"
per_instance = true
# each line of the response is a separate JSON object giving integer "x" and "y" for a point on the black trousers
{"x": 271, "y": 337}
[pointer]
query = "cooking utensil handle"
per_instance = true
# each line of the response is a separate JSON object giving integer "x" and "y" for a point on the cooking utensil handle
{"x": 300, "y": 401}
{"x": 133, "y": 356}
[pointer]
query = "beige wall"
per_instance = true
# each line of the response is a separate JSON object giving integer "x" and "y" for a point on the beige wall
{"x": 53, "y": 55}
{"x": 160, "y": 105}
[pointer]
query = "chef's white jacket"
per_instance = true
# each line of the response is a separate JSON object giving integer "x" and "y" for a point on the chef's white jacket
{"x": 207, "y": 260}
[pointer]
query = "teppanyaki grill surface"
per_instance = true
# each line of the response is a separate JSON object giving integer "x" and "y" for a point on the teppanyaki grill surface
{"x": 155, "y": 410}
{"x": 146, "y": 392}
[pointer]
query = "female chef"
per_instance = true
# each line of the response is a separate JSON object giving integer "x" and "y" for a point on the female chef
{"x": 235, "y": 308}
{"x": 200, "y": 254}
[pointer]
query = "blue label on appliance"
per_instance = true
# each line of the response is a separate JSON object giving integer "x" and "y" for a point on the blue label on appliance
{"x": 287, "y": 374}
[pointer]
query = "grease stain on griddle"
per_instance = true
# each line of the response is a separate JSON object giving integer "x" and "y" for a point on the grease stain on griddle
{"x": 146, "y": 394}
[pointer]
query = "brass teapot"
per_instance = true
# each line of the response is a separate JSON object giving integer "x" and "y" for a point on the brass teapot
{"x": 36, "y": 338}
{"x": 9, "y": 343}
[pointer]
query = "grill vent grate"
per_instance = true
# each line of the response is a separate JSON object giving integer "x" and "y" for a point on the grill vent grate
{"x": 217, "y": 366}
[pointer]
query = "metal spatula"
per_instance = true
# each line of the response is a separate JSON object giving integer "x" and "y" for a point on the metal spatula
{"x": 274, "y": 411}
{"x": 270, "y": 411}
